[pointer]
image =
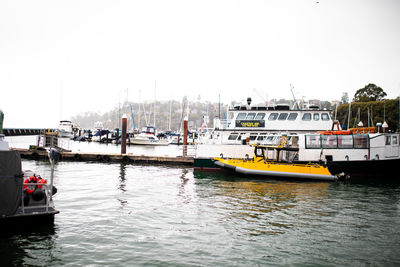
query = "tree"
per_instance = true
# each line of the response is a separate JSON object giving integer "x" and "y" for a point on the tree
{"x": 370, "y": 92}
{"x": 345, "y": 98}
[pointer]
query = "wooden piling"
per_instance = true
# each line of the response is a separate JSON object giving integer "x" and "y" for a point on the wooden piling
{"x": 185, "y": 135}
{"x": 123, "y": 135}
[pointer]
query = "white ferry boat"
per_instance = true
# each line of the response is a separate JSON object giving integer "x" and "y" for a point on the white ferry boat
{"x": 248, "y": 123}
{"x": 365, "y": 154}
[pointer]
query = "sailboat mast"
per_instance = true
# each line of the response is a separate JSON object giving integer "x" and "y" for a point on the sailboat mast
{"x": 170, "y": 115}
{"x": 154, "y": 113}
{"x": 61, "y": 95}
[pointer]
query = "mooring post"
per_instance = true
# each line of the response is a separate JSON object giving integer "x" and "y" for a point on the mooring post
{"x": 185, "y": 134}
{"x": 123, "y": 135}
{"x": 1, "y": 121}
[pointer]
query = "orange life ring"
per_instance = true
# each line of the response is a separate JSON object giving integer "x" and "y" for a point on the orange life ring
{"x": 34, "y": 180}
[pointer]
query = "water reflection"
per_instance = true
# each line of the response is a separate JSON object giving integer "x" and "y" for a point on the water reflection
{"x": 122, "y": 184}
{"x": 183, "y": 190}
{"x": 261, "y": 206}
{"x": 29, "y": 245}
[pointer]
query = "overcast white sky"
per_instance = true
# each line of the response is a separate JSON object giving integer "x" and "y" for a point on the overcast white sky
{"x": 89, "y": 51}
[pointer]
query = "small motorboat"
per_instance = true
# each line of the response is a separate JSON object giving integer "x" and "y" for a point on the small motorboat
{"x": 65, "y": 129}
{"x": 148, "y": 137}
{"x": 261, "y": 165}
{"x": 24, "y": 196}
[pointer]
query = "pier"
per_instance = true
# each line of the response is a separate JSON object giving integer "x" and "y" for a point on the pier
{"x": 106, "y": 157}
{"x": 25, "y": 131}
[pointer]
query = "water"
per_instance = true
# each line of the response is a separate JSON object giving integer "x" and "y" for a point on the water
{"x": 136, "y": 215}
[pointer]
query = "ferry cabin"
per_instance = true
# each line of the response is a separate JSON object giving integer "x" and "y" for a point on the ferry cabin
{"x": 255, "y": 123}
{"x": 373, "y": 154}
{"x": 349, "y": 147}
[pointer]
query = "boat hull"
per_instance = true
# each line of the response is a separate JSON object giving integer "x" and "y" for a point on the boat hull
{"x": 369, "y": 168}
{"x": 148, "y": 142}
{"x": 278, "y": 170}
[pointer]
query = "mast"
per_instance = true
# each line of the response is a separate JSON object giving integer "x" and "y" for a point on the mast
{"x": 170, "y": 115}
{"x": 61, "y": 96}
{"x": 154, "y": 113}
{"x": 219, "y": 106}
{"x": 294, "y": 98}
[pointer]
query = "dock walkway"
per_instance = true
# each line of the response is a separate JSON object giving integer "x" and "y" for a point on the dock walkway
{"x": 106, "y": 157}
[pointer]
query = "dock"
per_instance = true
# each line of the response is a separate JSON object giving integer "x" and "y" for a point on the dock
{"x": 106, "y": 157}
{"x": 25, "y": 131}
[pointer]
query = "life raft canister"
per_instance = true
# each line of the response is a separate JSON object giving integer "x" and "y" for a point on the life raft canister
{"x": 29, "y": 189}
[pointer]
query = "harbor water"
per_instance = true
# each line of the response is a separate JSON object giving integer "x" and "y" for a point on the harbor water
{"x": 115, "y": 214}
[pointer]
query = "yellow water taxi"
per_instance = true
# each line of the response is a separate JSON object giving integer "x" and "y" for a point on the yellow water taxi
{"x": 262, "y": 165}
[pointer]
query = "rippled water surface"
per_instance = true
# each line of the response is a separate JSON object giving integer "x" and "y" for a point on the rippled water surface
{"x": 123, "y": 215}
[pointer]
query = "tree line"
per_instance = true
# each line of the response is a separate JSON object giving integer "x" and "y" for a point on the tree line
{"x": 368, "y": 102}
{"x": 369, "y": 107}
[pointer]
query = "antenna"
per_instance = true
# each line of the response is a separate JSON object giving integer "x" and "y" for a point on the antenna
{"x": 294, "y": 98}
{"x": 259, "y": 94}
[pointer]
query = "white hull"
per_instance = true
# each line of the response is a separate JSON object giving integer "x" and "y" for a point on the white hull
{"x": 64, "y": 134}
{"x": 148, "y": 142}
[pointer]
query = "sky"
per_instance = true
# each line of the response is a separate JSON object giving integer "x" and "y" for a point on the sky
{"x": 60, "y": 58}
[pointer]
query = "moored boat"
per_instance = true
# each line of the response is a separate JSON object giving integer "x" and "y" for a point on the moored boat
{"x": 24, "y": 196}
{"x": 65, "y": 129}
{"x": 262, "y": 165}
{"x": 148, "y": 137}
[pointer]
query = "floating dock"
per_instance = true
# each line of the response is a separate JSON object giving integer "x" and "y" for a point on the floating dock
{"x": 106, "y": 157}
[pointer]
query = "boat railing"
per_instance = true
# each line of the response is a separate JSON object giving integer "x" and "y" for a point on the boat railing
{"x": 47, "y": 198}
{"x": 222, "y": 123}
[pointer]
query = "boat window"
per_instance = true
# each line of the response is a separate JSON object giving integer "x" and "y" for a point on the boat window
{"x": 388, "y": 140}
{"x": 325, "y": 116}
{"x": 293, "y": 141}
{"x": 253, "y": 137}
{"x": 233, "y": 136}
{"x": 282, "y": 116}
{"x": 270, "y": 140}
{"x": 273, "y": 116}
{"x": 306, "y": 117}
{"x": 259, "y": 152}
{"x": 316, "y": 116}
{"x": 329, "y": 141}
{"x": 241, "y": 116}
{"x": 260, "y": 116}
{"x": 260, "y": 137}
{"x": 292, "y": 116}
{"x": 345, "y": 141}
{"x": 394, "y": 140}
{"x": 360, "y": 141}
{"x": 313, "y": 141}
{"x": 250, "y": 116}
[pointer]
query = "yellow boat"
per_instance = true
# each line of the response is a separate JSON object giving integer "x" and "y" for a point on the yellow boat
{"x": 260, "y": 165}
